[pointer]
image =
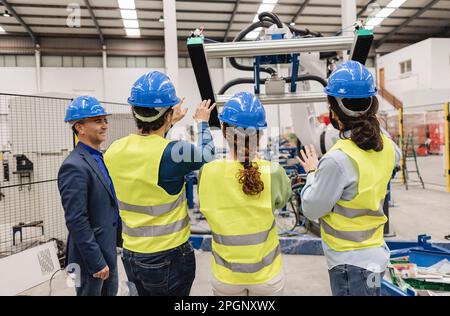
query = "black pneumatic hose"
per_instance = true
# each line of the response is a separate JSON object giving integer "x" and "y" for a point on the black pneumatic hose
{"x": 240, "y": 36}
{"x": 272, "y": 17}
{"x": 304, "y": 32}
{"x": 237, "y": 81}
{"x": 320, "y": 80}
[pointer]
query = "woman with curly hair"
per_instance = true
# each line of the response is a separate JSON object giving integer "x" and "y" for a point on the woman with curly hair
{"x": 238, "y": 196}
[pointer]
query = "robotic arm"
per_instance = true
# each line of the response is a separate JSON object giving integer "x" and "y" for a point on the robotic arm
{"x": 310, "y": 131}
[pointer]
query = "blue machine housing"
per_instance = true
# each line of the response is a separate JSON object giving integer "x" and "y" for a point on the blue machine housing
{"x": 276, "y": 60}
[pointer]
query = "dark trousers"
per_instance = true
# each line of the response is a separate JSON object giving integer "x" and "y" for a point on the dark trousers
{"x": 166, "y": 273}
{"x": 91, "y": 286}
{"x": 348, "y": 280}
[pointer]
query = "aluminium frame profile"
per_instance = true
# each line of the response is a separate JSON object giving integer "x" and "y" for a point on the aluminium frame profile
{"x": 261, "y": 48}
{"x": 278, "y": 47}
{"x": 288, "y": 98}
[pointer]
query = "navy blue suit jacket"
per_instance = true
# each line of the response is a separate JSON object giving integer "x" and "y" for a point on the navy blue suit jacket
{"x": 90, "y": 211}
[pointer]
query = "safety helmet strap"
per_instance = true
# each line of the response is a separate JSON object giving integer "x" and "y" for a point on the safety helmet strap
{"x": 149, "y": 119}
{"x": 351, "y": 113}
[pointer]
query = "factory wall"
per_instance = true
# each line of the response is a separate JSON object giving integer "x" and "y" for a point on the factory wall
{"x": 427, "y": 85}
{"x": 440, "y": 63}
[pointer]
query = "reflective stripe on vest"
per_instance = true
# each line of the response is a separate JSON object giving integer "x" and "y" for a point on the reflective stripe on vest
{"x": 358, "y": 223}
{"x": 152, "y": 219}
{"x": 153, "y": 210}
{"x": 243, "y": 240}
{"x": 245, "y": 243}
{"x": 248, "y": 267}
{"x": 356, "y": 236}
{"x": 352, "y": 213}
{"x": 154, "y": 231}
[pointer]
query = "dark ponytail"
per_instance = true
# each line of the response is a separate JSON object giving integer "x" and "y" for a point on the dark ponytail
{"x": 365, "y": 130}
{"x": 249, "y": 176}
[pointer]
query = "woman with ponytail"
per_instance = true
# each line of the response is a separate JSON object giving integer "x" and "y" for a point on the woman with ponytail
{"x": 238, "y": 196}
{"x": 346, "y": 189}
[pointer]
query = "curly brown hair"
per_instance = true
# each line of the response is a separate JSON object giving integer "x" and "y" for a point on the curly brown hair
{"x": 365, "y": 130}
{"x": 250, "y": 176}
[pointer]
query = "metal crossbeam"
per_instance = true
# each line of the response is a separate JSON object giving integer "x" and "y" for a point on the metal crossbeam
{"x": 300, "y": 10}
{"x": 231, "y": 20}
{"x": 21, "y": 21}
{"x": 94, "y": 19}
{"x": 288, "y": 98}
{"x": 260, "y": 48}
{"x": 409, "y": 20}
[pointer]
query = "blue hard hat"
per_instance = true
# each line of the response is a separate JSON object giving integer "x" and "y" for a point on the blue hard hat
{"x": 153, "y": 89}
{"x": 244, "y": 110}
{"x": 351, "y": 80}
{"x": 83, "y": 107}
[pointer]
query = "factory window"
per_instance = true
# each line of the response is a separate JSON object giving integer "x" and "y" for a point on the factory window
{"x": 155, "y": 62}
{"x": 117, "y": 62}
{"x": 141, "y": 62}
{"x": 51, "y": 61}
{"x": 131, "y": 62}
{"x": 79, "y": 62}
{"x": 71, "y": 61}
{"x": 135, "y": 62}
{"x": 92, "y": 62}
{"x": 67, "y": 61}
{"x": 25, "y": 61}
{"x": 185, "y": 62}
{"x": 17, "y": 61}
{"x": 182, "y": 62}
{"x": 8, "y": 61}
{"x": 405, "y": 67}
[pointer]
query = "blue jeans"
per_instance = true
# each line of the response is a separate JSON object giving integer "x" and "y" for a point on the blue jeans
{"x": 166, "y": 273}
{"x": 90, "y": 286}
{"x": 348, "y": 280}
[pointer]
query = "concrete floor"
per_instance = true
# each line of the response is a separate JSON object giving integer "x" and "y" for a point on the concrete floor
{"x": 432, "y": 169}
{"x": 418, "y": 211}
{"x": 306, "y": 275}
{"x": 415, "y": 212}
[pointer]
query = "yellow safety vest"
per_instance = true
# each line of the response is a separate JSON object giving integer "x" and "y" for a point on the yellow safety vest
{"x": 245, "y": 244}
{"x": 359, "y": 223}
{"x": 152, "y": 219}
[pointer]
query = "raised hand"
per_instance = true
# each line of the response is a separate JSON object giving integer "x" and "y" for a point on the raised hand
{"x": 178, "y": 112}
{"x": 203, "y": 111}
{"x": 308, "y": 160}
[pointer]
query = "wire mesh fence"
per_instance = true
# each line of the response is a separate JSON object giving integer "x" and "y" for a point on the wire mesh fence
{"x": 423, "y": 143}
{"x": 34, "y": 141}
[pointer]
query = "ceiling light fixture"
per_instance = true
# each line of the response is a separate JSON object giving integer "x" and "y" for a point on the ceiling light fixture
{"x": 383, "y": 14}
{"x": 128, "y": 14}
{"x": 127, "y": 4}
